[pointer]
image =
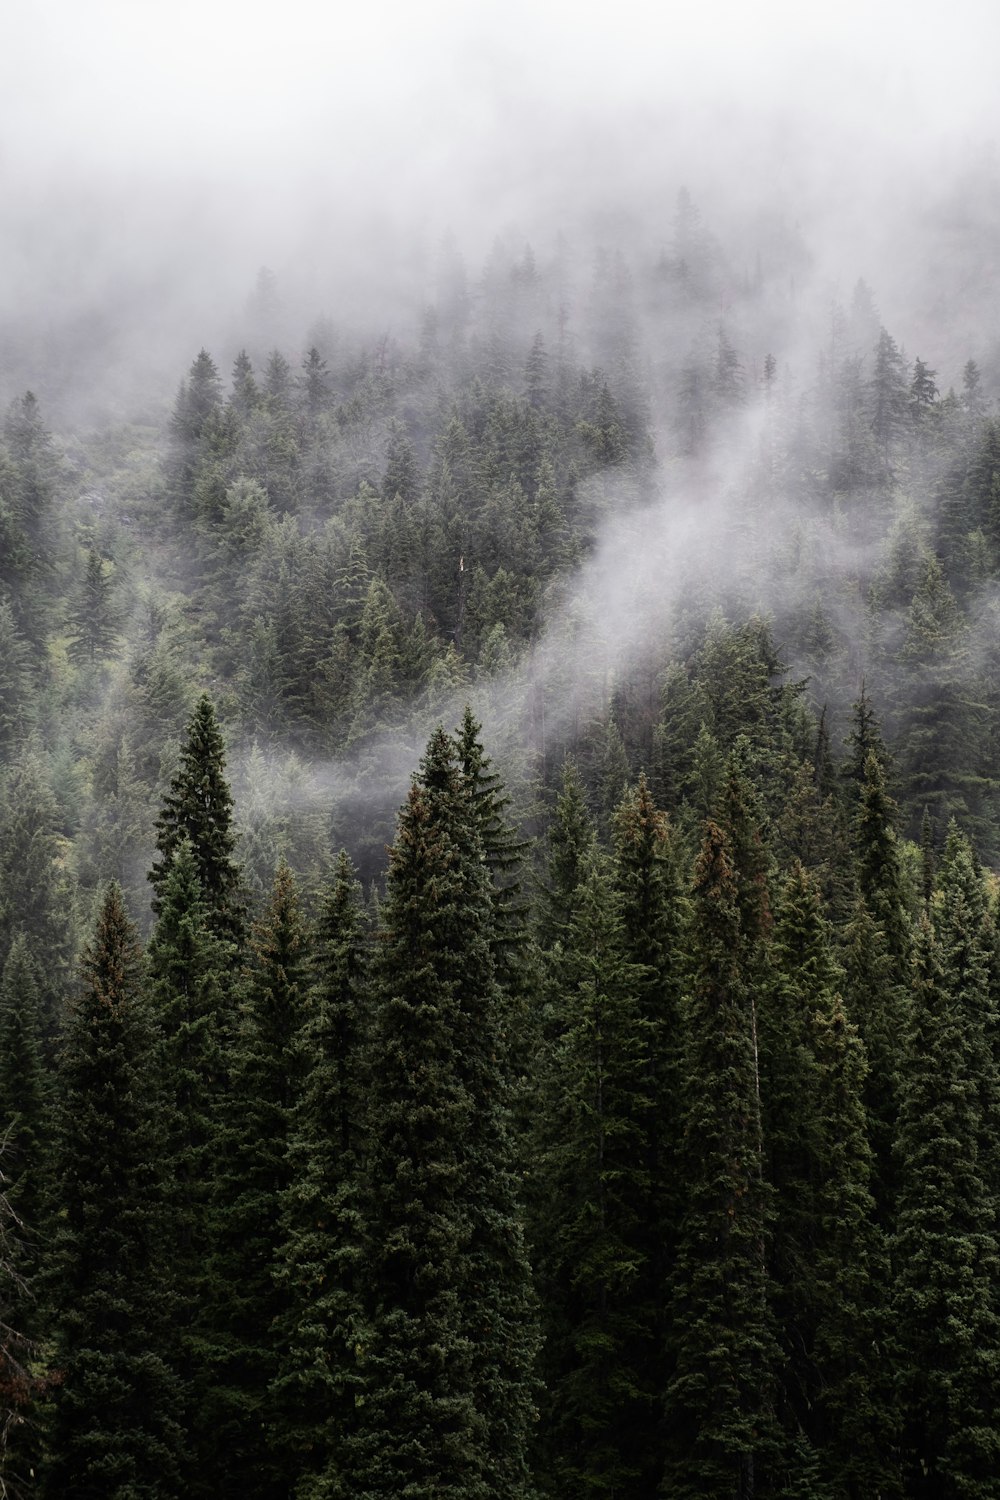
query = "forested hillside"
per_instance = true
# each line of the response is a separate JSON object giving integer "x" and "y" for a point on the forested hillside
{"x": 499, "y": 917}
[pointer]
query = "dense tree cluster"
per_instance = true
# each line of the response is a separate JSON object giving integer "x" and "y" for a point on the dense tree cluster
{"x": 629, "y": 1126}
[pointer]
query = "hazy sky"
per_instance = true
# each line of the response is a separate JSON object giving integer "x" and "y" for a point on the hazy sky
{"x": 409, "y": 93}
{"x": 141, "y": 142}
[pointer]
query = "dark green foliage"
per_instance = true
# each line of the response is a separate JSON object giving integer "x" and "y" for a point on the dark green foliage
{"x": 337, "y": 1279}
{"x": 92, "y": 619}
{"x": 720, "y": 1401}
{"x": 198, "y": 808}
{"x": 114, "y": 1431}
{"x": 596, "y": 1235}
{"x": 653, "y": 918}
{"x": 828, "y": 1262}
{"x": 320, "y": 1258}
{"x": 945, "y": 1333}
{"x": 853, "y": 1424}
{"x": 25, "y": 1204}
{"x": 24, "y": 1088}
{"x": 188, "y": 995}
{"x": 571, "y": 838}
{"x": 16, "y": 708}
{"x": 266, "y": 1066}
{"x": 446, "y": 1363}
{"x": 35, "y": 891}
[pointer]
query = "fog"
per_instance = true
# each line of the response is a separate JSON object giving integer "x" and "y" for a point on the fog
{"x": 153, "y": 157}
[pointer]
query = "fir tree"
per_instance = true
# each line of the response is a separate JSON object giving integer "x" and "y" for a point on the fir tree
{"x": 721, "y": 1429}
{"x": 188, "y": 995}
{"x": 92, "y": 619}
{"x": 571, "y": 837}
{"x": 446, "y": 1367}
{"x": 25, "y": 1207}
{"x": 198, "y": 807}
{"x": 945, "y": 1333}
{"x": 318, "y": 1269}
{"x": 596, "y": 1237}
{"x": 653, "y": 915}
{"x": 114, "y": 1432}
{"x": 266, "y": 1077}
{"x": 24, "y": 1088}
{"x": 853, "y": 1421}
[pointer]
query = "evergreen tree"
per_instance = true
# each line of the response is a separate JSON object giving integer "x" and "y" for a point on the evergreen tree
{"x": 570, "y": 837}
{"x": 267, "y": 1068}
{"x": 945, "y": 1334}
{"x": 114, "y": 1432}
{"x": 721, "y": 1430}
{"x": 653, "y": 915}
{"x": 501, "y": 846}
{"x": 446, "y": 1367}
{"x": 187, "y": 992}
{"x": 36, "y": 893}
{"x": 198, "y": 807}
{"x": 889, "y": 395}
{"x": 853, "y": 1423}
{"x": 24, "y": 1090}
{"x": 828, "y": 1261}
{"x": 92, "y": 619}
{"x": 16, "y": 695}
{"x": 25, "y": 1207}
{"x": 595, "y": 1236}
{"x": 319, "y": 1266}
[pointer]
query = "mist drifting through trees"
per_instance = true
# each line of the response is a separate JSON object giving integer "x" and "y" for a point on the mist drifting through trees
{"x": 499, "y": 752}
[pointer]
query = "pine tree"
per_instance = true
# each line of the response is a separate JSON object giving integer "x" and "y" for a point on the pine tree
{"x": 653, "y": 915}
{"x": 877, "y": 958}
{"x": 114, "y": 1432}
{"x": 266, "y": 1077}
{"x": 92, "y": 620}
{"x": 721, "y": 1429}
{"x": 945, "y": 1332}
{"x": 828, "y": 1262}
{"x": 503, "y": 849}
{"x": 198, "y": 807}
{"x": 36, "y": 893}
{"x": 188, "y": 995}
{"x": 853, "y": 1422}
{"x": 319, "y": 1269}
{"x": 446, "y": 1366}
{"x": 595, "y": 1238}
{"x": 17, "y": 708}
{"x": 570, "y": 837}
{"x": 25, "y": 1205}
{"x": 24, "y": 1088}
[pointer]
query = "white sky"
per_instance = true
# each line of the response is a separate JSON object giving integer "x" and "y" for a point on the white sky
{"x": 143, "y": 141}
{"x": 206, "y": 86}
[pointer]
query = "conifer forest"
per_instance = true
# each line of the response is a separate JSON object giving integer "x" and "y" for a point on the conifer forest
{"x": 500, "y": 866}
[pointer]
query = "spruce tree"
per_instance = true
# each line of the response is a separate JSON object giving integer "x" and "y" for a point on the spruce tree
{"x": 318, "y": 1269}
{"x": 266, "y": 1075}
{"x": 945, "y": 1327}
{"x": 876, "y": 961}
{"x": 92, "y": 619}
{"x": 198, "y": 807}
{"x": 596, "y": 1237}
{"x": 114, "y": 1432}
{"x": 853, "y": 1420}
{"x": 25, "y": 1124}
{"x": 25, "y": 1207}
{"x": 653, "y": 916}
{"x": 447, "y": 1398}
{"x": 186, "y": 967}
{"x": 720, "y": 1423}
{"x": 570, "y": 839}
